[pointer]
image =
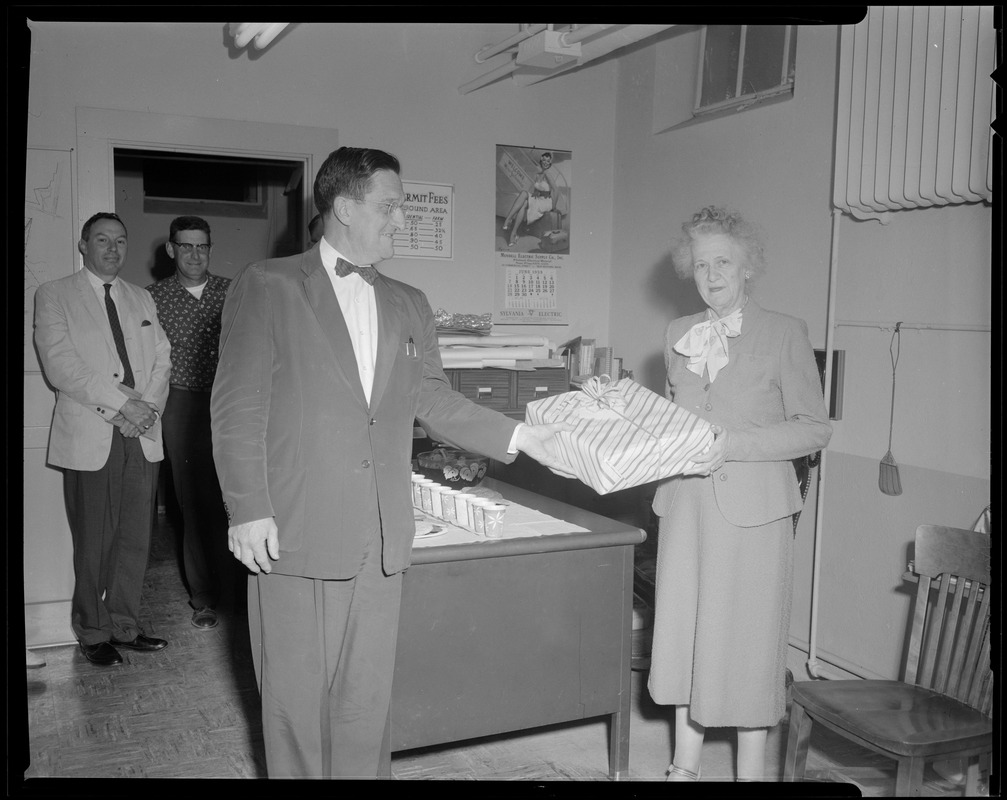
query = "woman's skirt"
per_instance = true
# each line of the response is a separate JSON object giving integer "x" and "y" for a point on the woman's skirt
{"x": 722, "y": 613}
{"x": 538, "y": 207}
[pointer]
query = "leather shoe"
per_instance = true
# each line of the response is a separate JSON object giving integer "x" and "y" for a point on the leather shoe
{"x": 143, "y": 643}
{"x": 101, "y": 654}
{"x": 204, "y": 617}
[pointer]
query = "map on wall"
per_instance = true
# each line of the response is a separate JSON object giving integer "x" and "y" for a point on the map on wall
{"x": 48, "y": 231}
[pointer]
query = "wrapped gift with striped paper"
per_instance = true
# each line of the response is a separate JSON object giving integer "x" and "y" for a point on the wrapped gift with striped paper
{"x": 626, "y": 435}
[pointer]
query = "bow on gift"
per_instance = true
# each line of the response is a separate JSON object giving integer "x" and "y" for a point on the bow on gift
{"x": 603, "y": 393}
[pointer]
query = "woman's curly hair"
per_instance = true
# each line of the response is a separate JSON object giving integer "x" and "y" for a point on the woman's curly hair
{"x": 713, "y": 220}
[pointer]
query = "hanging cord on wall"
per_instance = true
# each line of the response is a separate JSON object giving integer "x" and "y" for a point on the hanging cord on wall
{"x": 888, "y": 474}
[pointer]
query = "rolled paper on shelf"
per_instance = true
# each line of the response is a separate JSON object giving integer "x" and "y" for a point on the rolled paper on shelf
{"x": 504, "y": 363}
{"x": 493, "y": 340}
{"x": 451, "y": 354}
{"x": 465, "y": 365}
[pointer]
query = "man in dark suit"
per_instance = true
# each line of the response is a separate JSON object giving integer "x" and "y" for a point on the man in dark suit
{"x": 104, "y": 352}
{"x": 324, "y": 366}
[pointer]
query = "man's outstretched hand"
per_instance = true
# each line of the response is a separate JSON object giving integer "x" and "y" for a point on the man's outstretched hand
{"x": 539, "y": 442}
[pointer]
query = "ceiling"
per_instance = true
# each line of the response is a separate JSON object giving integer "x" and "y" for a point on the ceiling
{"x": 532, "y": 54}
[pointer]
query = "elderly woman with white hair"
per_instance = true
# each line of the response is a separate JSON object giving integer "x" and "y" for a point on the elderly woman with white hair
{"x": 725, "y": 542}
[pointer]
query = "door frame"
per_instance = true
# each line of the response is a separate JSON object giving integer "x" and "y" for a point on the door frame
{"x": 100, "y": 131}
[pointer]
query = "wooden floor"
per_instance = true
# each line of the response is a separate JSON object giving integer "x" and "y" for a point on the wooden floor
{"x": 191, "y": 711}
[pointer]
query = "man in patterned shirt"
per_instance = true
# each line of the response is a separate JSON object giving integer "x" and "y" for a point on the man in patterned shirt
{"x": 188, "y": 307}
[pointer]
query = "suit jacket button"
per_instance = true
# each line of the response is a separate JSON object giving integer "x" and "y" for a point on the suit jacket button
{"x": 365, "y": 464}
{"x": 373, "y": 420}
{"x": 708, "y": 407}
{"x": 706, "y": 388}
{"x": 723, "y": 477}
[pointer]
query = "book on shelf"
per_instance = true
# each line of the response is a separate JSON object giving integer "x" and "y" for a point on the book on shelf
{"x": 570, "y": 353}
{"x": 585, "y": 364}
{"x": 603, "y": 362}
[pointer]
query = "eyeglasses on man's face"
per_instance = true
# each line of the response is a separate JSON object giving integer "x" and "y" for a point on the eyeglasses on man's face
{"x": 187, "y": 248}
{"x": 388, "y": 207}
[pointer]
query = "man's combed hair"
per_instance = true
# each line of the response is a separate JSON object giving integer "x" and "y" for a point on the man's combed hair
{"x": 85, "y": 232}
{"x": 347, "y": 172}
{"x": 188, "y": 224}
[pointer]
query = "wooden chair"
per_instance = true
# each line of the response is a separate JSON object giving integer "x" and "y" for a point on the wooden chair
{"x": 942, "y": 707}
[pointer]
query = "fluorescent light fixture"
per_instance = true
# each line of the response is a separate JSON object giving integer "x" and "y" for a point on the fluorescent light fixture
{"x": 259, "y": 34}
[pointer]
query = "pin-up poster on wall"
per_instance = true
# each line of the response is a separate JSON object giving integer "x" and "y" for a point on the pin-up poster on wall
{"x": 532, "y": 233}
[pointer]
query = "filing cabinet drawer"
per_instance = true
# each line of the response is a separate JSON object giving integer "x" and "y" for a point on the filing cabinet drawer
{"x": 540, "y": 383}
{"x": 508, "y": 391}
{"x": 487, "y": 387}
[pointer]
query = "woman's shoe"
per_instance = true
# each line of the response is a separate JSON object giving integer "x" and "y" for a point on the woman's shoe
{"x": 679, "y": 774}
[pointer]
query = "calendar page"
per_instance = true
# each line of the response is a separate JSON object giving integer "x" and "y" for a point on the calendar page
{"x": 532, "y": 234}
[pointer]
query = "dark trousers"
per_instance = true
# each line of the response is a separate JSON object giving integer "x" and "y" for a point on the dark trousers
{"x": 209, "y": 567}
{"x": 324, "y": 655}
{"x": 111, "y": 514}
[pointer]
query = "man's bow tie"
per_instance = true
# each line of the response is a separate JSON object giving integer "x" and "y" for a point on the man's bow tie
{"x": 344, "y": 268}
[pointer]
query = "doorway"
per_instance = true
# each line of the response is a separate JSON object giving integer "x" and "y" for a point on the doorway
{"x": 101, "y": 133}
{"x": 253, "y": 206}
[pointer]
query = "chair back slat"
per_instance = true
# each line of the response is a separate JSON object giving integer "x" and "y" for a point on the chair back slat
{"x": 949, "y": 649}
{"x": 981, "y": 696}
{"x": 953, "y": 626}
{"x": 971, "y": 664}
{"x": 967, "y": 630}
{"x": 933, "y": 628}
{"x": 914, "y": 650}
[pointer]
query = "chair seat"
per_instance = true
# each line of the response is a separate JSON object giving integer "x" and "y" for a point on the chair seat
{"x": 897, "y": 717}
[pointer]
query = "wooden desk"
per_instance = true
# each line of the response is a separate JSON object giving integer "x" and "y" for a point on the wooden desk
{"x": 503, "y": 636}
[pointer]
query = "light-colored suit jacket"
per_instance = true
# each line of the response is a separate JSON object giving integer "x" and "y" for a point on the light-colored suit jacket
{"x": 294, "y": 437}
{"x": 79, "y": 358}
{"x": 769, "y": 398}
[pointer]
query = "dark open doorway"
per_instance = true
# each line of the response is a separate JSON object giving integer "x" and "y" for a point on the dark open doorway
{"x": 253, "y": 206}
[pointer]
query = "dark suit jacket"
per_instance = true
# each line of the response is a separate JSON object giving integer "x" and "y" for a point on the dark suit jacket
{"x": 79, "y": 358}
{"x": 293, "y": 435}
{"x": 769, "y": 396}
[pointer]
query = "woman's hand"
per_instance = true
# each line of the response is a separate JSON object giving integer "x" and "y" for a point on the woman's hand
{"x": 716, "y": 454}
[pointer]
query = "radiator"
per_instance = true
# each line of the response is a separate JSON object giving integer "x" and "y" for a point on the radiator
{"x": 914, "y": 109}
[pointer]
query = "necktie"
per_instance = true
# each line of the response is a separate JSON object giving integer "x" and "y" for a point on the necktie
{"x": 706, "y": 343}
{"x": 120, "y": 341}
{"x": 344, "y": 268}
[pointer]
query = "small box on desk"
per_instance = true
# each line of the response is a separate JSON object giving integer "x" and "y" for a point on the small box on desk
{"x": 626, "y": 435}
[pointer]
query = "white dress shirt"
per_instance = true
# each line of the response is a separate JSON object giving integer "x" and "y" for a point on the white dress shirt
{"x": 360, "y": 310}
{"x": 98, "y": 284}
